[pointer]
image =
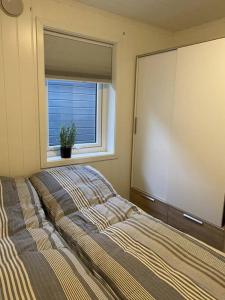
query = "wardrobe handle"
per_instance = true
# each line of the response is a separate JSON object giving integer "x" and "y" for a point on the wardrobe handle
{"x": 135, "y": 125}
{"x": 150, "y": 198}
{"x": 193, "y": 219}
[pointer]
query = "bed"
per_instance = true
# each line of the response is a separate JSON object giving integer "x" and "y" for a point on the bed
{"x": 137, "y": 255}
{"x": 35, "y": 262}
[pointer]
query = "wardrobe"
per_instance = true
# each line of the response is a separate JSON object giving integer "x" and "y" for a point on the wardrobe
{"x": 178, "y": 159}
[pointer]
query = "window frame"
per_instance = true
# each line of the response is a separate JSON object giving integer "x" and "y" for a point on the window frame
{"x": 109, "y": 110}
{"x": 100, "y": 144}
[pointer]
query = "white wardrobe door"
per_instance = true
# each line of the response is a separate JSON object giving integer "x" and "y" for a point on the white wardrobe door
{"x": 154, "y": 102}
{"x": 197, "y": 162}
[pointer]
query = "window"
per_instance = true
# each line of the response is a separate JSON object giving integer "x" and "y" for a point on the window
{"x": 72, "y": 102}
{"x": 81, "y": 103}
{"x": 78, "y": 88}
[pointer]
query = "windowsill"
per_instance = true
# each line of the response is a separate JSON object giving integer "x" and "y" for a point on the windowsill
{"x": 79, "y": 159}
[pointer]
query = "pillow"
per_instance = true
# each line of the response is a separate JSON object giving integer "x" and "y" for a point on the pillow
{"x": 20, "y": 206}
{"x": 65, "y": 190}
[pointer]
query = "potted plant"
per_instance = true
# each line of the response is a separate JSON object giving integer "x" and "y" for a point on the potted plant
{"x": 67, "y": 140}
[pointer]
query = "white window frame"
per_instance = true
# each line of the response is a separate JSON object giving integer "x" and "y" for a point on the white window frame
{"x": 109, "y": 107}
{"x": 100, "y": 144}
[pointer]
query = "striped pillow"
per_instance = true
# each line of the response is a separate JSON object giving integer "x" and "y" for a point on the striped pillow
{"x": 20, "y": 205}
{"x": 71, "y": 188}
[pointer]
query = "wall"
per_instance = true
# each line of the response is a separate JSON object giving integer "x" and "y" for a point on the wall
{"x": 205, "y": 32}
{"x": 19, "y": 125}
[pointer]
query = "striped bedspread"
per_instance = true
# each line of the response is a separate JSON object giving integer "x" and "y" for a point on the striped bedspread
{"x": 35, "y": 262}
{"x": 139, "y": 256}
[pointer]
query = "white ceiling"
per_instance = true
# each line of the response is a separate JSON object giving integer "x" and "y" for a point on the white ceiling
{"x": 169, "y": 14}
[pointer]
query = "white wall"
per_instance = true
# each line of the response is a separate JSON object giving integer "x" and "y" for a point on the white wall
{"x": 19, "y": 125}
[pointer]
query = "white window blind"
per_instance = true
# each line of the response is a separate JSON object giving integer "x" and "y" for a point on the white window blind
{"x": 69, "y": 57}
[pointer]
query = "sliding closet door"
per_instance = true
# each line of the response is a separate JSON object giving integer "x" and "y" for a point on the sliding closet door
{"x": 154, "y": 103}
{"x": 196, "y": 181}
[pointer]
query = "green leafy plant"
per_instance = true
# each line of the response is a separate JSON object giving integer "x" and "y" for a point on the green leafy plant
{"x": 68, "y": 135}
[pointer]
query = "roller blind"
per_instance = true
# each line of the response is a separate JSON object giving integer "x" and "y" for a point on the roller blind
{"x": 69, "y": 57}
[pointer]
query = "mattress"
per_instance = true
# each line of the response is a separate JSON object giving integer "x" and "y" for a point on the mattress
{"x": 35, "y": 262}
{"x": 138, "y": 256}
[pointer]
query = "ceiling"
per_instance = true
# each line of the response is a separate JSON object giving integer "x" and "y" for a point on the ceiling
{"x": 169, "y": 14}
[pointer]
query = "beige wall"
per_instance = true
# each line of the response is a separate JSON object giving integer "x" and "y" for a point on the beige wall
{"x": 19, "y": 125}
{"x": 205, "y": 32}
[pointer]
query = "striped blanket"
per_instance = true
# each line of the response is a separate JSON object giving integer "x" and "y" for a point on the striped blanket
{"x": 35, "y": 262}
{"x": 139, "y": 256}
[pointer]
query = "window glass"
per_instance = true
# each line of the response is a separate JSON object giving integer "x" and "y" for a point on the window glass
{"x": 72, "y": 101}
